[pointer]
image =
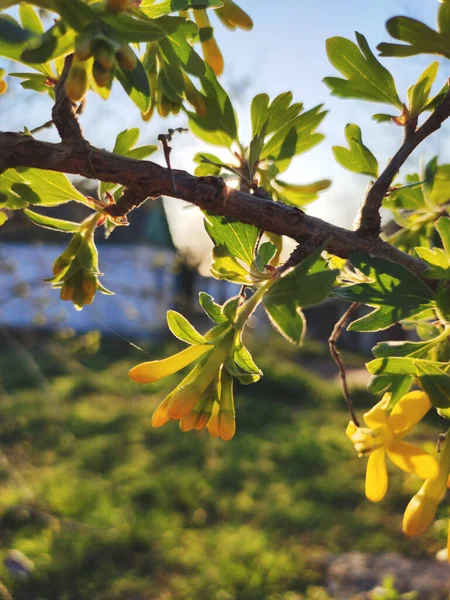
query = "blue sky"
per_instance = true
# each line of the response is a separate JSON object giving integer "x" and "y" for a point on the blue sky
{"x": 285, "y": 51}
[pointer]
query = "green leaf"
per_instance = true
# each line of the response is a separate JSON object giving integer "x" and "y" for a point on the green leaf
{"x": 238, "y": 238}
{"x": 266, "y": 252}
{"x": 443, "y": 227}
{"x": 409, "y": 196}
{"x": 11, "y": 32}
{"x": 211, "y": 308}
{"x": 208, "y": 164}
{"x": 129, "y": 29}
{"x": 396, "y": 292}
{"x": 437, "y": 260}
{"x": 230, "y": 307}
{"x": 435, "y": 382}
{"x": 395, "y": 348}
{"x": 227, "y": 267}
{"x": 358, "y": 158}
{"x": 401, "y": 365}
{"x": 55, "y": 42}
{"x": 136, "y": 85}
{"x": 259, "y": 112}
{"x": 294, "y": 137}
{"x": 419, "y": 93}
{"x": 289, "y": 321}
{"x": 125, "y": 141}
{"x": 397, "y": 385}
{"x": 52, "y": 223}
{"x": 255, "y": 147}
{"x": 219, "y": 124}
{"x": 30, "y": 19}
{"x": 400, "y": 386}
{"x": 299, "y": 195}
{"x": 182, "y": 329}
{"x": 36, "y": 186}
{"x": 243, "y": 358}
{"x": 156, "y": 9}
{"x": 295, "y": 290}
{"x": 3, "y": 217}
{"x": 365, "y": 77}
{"x": 443, "y": 301}
{"x": 420, "y": 38}
{"x": 243, "y": 377}
{"x": 187, "y": 56}
{"x": 383, "y": 118}
{"x": 76, "y": 13}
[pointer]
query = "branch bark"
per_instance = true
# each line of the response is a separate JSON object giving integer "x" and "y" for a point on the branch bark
{"x": 368, "y": 222}
{"x": 150, "y": 180}
{"x": 64, "y": 110}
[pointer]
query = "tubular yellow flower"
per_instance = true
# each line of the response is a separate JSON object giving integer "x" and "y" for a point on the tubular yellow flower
{"x": 187, "y": 396}
{"x": 422, "y": 507}
{"x": 199, "y": 416}
{"x": 213, "y": 423}
{"x": 226, "y": 415}
{"x": 149, "y": 372}
{"x": 383, "y": 436}
{"x": 236, "y": 16}
{"x": 211, "y": 52}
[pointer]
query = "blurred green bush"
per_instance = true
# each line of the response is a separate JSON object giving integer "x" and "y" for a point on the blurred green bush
{"x": 109, "y": 508}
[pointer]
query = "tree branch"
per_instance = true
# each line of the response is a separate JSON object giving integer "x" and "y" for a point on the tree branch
{"x": 64, "y": 110}
{"x": 148, "y": 179}
{"x": 368, "y": 221}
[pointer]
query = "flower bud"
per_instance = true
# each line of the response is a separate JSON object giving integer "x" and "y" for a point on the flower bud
{"x": 77, "y": 82}
{"x": 213, "y": 423}
{"x": 419, "y": 513}
{"x": 126, "y": 58}
{"x": 211, "y": 52}
{"x": 105, "y": 56}
{"x": 61, "y": 265}
{"x": 163, "y": 106}
{"x": 90, "y": 285}
{"x": 83, "y": 46}
{"x": 160, "y": 416}
{"x": 226, "y": 415}
{"x": 194, "y": 97}
{"x": 116, "y": 5}
{"x": 67, "y": 291}
{"x": 236, "y": 16}
{"x": 100, "y": 74}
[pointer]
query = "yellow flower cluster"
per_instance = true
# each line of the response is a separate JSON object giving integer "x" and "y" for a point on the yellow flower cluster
{"x": 383, "y": 436}
{"x": 204, "y": 398}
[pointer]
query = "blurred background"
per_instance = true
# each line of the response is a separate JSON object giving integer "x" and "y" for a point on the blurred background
{"x": 94, "y": 502}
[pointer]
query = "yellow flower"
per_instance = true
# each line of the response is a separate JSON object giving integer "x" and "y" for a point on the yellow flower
{"x": 383, "y": 436}
{"x": 149, "y": 372}
{"x": 191, "y": 402}
{"x": 422, "y": 507}
{"x": 223, "y": 422}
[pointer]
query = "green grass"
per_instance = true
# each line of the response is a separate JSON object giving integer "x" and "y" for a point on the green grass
{"x": 109, "y": 508}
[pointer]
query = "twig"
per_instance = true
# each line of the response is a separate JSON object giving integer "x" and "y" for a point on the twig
{"x": 45, "y": 125}
{"x": 332, "y": 342}
{"x": 128, "y": 201}
{"x": 369, "y": 222}
{"x": 165, "y": 138}
{"x": 300, "y": 252}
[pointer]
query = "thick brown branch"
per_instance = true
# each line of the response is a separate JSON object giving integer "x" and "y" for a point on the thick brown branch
{"x": 64, "y": 110}
{"x": 209, "y": 193}
{"x": 369, "y": 222}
